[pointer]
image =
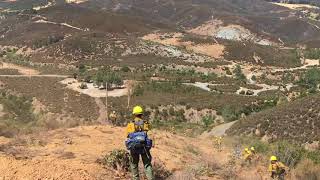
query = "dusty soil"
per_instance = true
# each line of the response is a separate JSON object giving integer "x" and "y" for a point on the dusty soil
{"x": 215, "y": 28}
{"x": 213, "y": 50}
{"x": 175, "y": 39}
{"x": 208, "y": 28}
{"x": 73, "y": 153}
{"x": 93, "y": 91}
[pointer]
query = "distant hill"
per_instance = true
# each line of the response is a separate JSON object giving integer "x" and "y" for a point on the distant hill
{"x": 260, "y": 17}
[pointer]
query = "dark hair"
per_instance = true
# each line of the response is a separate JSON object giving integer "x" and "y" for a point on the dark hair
{"x": 139, "y": 116}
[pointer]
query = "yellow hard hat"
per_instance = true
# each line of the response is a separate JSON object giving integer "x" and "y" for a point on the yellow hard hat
{"x": 273, "y": 158}
{"x": 252, "y": 149}
{"x": 137, "y": 110}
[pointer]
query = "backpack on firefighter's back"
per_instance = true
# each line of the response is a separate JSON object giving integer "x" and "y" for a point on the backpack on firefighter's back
{"x": 138, "y": 141}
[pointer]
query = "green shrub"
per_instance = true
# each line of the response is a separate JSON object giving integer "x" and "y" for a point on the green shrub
{"x": 254, "y": 78}
{"x": 118, "y": 160}
{"x": 228, "y": 72}
{"x": 138, "y": 90}
{"x": 260, "y": 146}
{"x": 19, "y": 115}
{"x": 159, "y": 170}
{"x": 171, "y": 111}
{"x": 229, "y": 113}
{"x": 17, "y": 58}
{"x": 19, "y": 107}
{"x": 82, "y": 69}
{"x": 125, "y": 69}
{"x": 208, "y": 120}
{"x": 288, "y": 153}
{"x": 106, "y": 75}
{"x": 314, "y": 156}
{"x": 180, "y": 115}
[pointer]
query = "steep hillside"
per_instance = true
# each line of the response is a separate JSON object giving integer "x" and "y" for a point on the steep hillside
{"x": 297, "y": 121}
{"x": 30, "y": 27}
{"x": 264, "y": 19}
{"x": 78, "y": 153}
{"x": 74, "y": 153}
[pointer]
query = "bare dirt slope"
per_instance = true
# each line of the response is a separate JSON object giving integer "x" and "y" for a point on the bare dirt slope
{"x": 72, "y": 153}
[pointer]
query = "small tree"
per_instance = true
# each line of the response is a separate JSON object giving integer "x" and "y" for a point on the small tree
{"x": 254, "y": 78}
{"x": 82, "y": 69}
{"x": 238, "y": 73}
{"x": 229, "y": 114}
{"x": 102, "y": 77}
{"x": 125, "y": 69}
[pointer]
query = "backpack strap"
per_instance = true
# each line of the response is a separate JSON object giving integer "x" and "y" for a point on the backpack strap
{"x": 139, "y": 125}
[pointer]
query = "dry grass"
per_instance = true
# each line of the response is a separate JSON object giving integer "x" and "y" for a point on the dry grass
{"x": 55, "y": 97}
{"x": 307, "y": 170}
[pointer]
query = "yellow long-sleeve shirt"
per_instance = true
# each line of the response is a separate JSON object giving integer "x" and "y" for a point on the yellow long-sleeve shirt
{"x": 247, "y": 155}
{"x": 131, "y": 127}
{"x": 276, "y": 167}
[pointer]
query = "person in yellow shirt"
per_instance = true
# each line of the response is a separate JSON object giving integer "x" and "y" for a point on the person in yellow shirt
{"x": 247, "y": 155}
{"x": 253, "y": 151}
{"x": 113, "y": 117}
{"x": 139, "y": 144}
{"x": 217, "y": 142}
{"x": 277, "y": 168}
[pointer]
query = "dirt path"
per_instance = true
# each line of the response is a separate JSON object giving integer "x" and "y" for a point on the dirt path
{"x": 219, "y": 130}
{"x": 61, "y": 24}
{"x": 102, "y": 110}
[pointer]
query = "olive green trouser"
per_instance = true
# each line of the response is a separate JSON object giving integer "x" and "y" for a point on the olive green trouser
{"x": 134, "y": 164}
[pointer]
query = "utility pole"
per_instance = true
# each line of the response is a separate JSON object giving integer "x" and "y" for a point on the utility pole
{"x": 107, "y": 114}
{"x": 130, "y": 87}
{"x": 129, "y": 96}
